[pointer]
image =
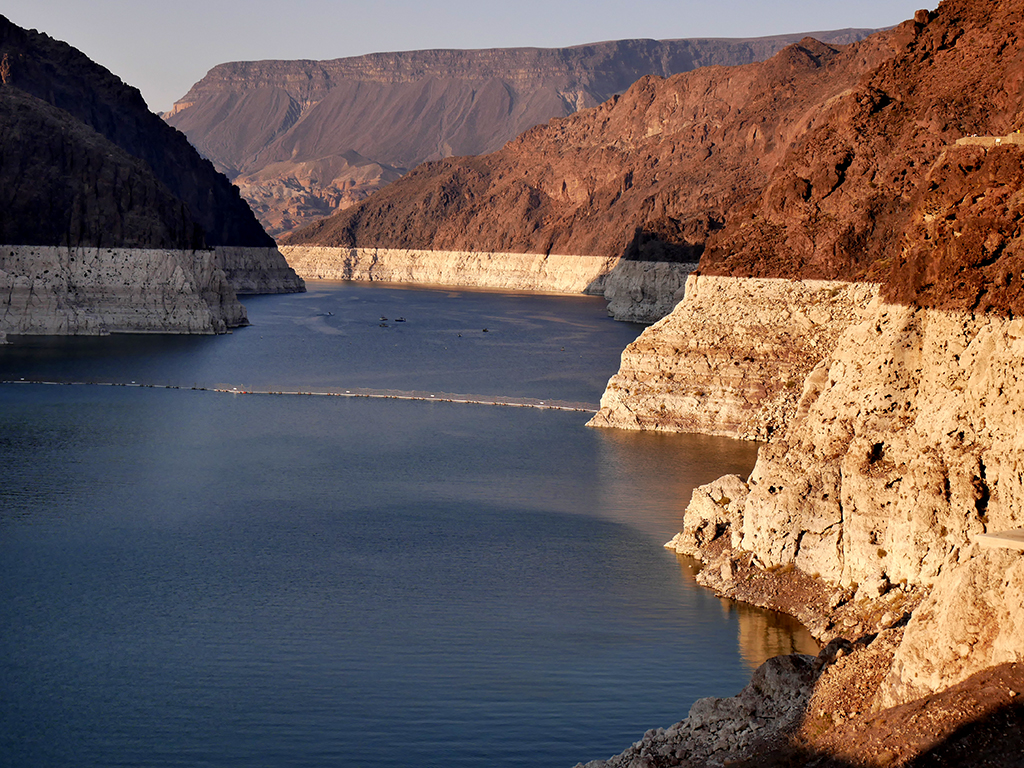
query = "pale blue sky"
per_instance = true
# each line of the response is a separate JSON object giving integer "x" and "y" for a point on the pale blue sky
{"x": 164, "y": 46}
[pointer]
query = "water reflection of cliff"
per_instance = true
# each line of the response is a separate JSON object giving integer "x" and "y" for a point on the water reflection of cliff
{"x": 646, "y": 478}
{"x": 762, "y": 634}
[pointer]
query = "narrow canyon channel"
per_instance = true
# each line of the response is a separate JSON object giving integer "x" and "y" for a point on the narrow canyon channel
{"x": 196, "y": 570}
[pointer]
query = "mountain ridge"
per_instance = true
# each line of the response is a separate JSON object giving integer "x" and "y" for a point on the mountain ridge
{"x": 398, "y": 109}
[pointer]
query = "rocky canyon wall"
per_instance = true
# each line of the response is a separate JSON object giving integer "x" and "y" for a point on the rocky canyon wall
{"x": 257, "y": 270}
{"x": 91, "y": 291}
{"x": 731, "y": 359}
{"x": 903, "y": 448}
{"x": 113, "y": 222}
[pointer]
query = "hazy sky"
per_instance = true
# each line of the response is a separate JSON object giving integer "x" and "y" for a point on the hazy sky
{"x": 164, "y": 46}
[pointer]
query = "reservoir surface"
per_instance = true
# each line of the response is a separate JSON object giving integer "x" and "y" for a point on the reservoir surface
{"x": 202, "y": 563}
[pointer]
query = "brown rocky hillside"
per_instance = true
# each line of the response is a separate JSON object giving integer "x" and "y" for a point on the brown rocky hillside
{"x": 305, "y": 138}
{"x": 879, "y": 189}
{"x": 651, "y": 174}
{"x": 821, "y": 162}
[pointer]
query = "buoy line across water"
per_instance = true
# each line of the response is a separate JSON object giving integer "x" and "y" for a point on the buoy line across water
{"x": 373, "y": 394}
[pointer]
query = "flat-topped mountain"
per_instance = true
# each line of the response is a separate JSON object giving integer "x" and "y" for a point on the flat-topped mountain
{"x": 305, "y": 138}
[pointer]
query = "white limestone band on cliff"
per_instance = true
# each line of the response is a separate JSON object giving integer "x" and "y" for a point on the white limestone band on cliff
{"x": 55, "y": 290}
{"x": 637, "y": 291}
{"x": 900, "y": 449}
{"x": 731, "y": 358}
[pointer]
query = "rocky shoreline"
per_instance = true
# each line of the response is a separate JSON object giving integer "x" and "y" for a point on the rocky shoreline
{"x": 861, "y": 518}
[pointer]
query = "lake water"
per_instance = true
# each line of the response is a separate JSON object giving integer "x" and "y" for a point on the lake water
{"x": 194, "y": 578}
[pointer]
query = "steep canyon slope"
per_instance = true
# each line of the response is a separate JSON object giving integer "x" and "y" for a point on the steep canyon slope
{"x": 878, "y": 507}
{"x": 110, "y": 220}
{"x": 303, "y": 139}
{"x": 640, "y": 182}
{"x": 648, "y": 175}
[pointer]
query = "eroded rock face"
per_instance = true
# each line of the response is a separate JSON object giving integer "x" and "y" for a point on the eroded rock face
{"x": 877, "y": 187}
{"x": 906, "y": 446}
{"x": 973, "y": 620}
{"x": 85, "y": 164}
{"x": 65, "y": 184}
{"x": 645, "y": 291}
{"x": 257, "y": 270}
{"x": 54, "y": 290}
{"x": 109, "y": 217}
{"x": 731, "y": 358}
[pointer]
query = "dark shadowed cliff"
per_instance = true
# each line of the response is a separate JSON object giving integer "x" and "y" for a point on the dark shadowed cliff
{"x": 61, "y": 183}
{"x": 305, "y": 138}
{"x": 56, "y": 73}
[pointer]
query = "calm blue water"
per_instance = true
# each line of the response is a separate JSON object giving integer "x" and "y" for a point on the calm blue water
{"x": 190, "y": 578}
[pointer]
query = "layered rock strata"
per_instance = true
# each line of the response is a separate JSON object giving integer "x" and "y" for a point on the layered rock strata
{"x": 637, "y": 291}
{"x": 55, "y": 290}
{"x": 731, "y": 359}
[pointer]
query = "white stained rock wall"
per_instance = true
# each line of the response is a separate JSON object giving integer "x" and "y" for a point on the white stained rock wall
{"x": 645, "y": 291}
{"x": 57, "y": 290}
{"x": 732, "y": 356}
{"x": 508, "y": 271}
{"x": 906, "y": 445}
{"x": 637, "y": 291}
{"x": 257, "y": 270}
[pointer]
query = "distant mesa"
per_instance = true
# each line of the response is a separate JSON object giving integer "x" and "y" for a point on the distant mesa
{"x": 303, "y": 139}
